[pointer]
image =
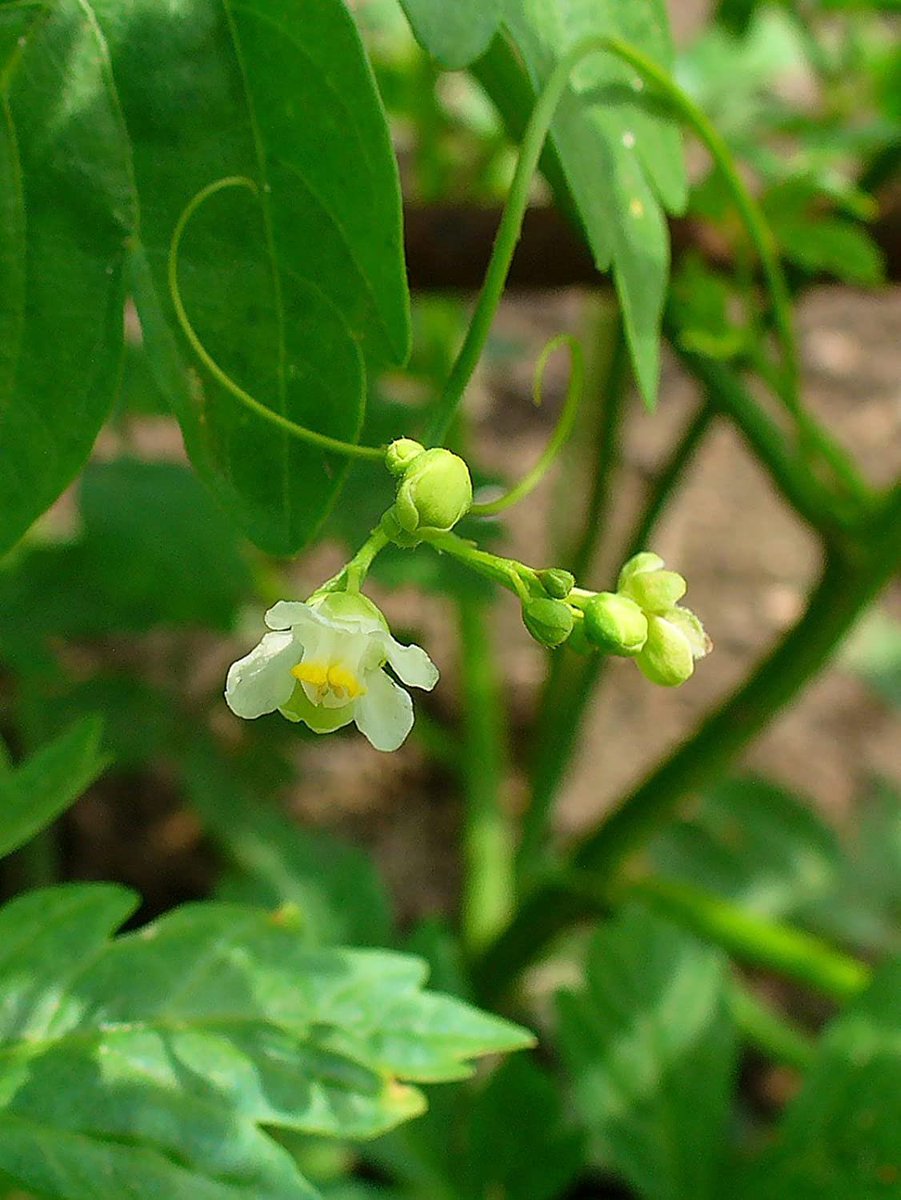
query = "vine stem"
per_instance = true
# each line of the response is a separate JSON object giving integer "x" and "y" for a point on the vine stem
{"x": 321, "y": 440}
{"x": 561, "y": 432}
{"x": 508, "y": 233}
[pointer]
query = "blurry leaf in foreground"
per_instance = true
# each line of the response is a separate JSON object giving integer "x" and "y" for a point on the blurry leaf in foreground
{"x": 650, "y": 1048}
{"x": 754, "y": 843}
{"x": 334, "y": 886}
{"x": 36, "y": 792}
{"x": 146, "y": 1065}
{"x": 840, "y": 1139}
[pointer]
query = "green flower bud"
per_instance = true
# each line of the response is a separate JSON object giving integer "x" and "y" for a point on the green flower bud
{"x": 654, "y": 591}
{"x": 556, "y": 582}
{"x": 666, "y": 657}
{"x": 550, "y": 622}
{"x": 638, "y": 563}
{"x": 435, "y": 492}
{"x": 577, "y": 640}
{"x": 401, "y": 454}
{"x": 615, "y": 624}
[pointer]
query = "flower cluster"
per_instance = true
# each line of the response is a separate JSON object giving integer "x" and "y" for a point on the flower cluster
{"x": 326, "y": 662}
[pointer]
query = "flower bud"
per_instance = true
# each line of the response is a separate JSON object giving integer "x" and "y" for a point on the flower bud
{"x": 435, "y": 492}
{"x": 550, "y": 622}
{"x": 615, "y": 624}
{"x": 666, "y": 657}
{"x": 654, "y": 591}
{"x": 638, "y": 563}
{"x": 401, "y": 453}
{"x": 556, "y": 582}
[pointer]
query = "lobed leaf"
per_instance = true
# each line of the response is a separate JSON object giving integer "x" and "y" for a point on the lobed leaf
{"x": 146, "y": 1064}
{"x": 651, "y": 1049}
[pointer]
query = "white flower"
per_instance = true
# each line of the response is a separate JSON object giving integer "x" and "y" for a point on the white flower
{"x": 324, "y": 665}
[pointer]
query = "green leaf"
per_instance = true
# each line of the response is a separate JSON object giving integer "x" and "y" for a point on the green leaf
{"x": 67, "y": 210}
{"x": 144, "y": 1066}
{"x": 620, "y": 156}
{"x": 521, "y": 1107}
{"x": 334, "y": 886}
{"x": 840, "y": 1137}
{"x": 154, "y": 550}
{"x": 295, "y": 291}
{"x": 456, "y": 34}
{"x": 650, "y": 1048}
{"x": 35, "y": 793}
{"x": 755, "y": 844}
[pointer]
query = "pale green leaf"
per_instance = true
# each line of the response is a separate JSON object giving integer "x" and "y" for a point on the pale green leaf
{"x": 145, "y": 1065}
{"x": 650, "y": 1048}
{"x": 40, "y": 789}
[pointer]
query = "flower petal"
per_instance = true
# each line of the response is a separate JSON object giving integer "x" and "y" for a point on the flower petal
{"x": 411, "y": 664}
{"x": 262, "y": 681}
{"x": 288, "y": 613}
{"x": 385, "y": 714}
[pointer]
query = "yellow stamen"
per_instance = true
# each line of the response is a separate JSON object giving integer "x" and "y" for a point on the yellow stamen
{"x": 329, "y": 677}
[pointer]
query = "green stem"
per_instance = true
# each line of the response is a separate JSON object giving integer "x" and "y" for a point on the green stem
{"x": 353, "y": 574}
{"x": 561, "y": 433}
{"x": 487, "y": 839}
{"x": 610, "y": 389}
{"x": 768, "y": 945}
{"x": 769, "y": 1031}
{"x": 501, "y": 570}
{"x": 321, "y": 440}
{"x": 574, "y": 680}
{"x": 848, "y": 584}
{"x": 508, "y": 232}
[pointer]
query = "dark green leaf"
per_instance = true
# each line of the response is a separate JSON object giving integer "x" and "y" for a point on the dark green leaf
{"x": 840, "y": 1139}
{"x": 35, "y": 793}
{"x": 650, "y": 1048}
{"x": 154, "y": 550}
{"x": 334, "y": 886}
{"x": 67, "y": 210}
{"x": 521, "y": 1107}
{"x": 145, "y": 1066}
{"x": 754, "y": 843}
{"x": 292, "y": 290}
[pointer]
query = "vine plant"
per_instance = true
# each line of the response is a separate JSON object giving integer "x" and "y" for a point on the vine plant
{"x": 227, "y": 168}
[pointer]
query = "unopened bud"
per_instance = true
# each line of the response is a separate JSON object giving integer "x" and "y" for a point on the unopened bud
{"x": 556, "y": 582}
{"x": 401, "y": 453}
{"x": 615, "y": 624}
{"x": 654, "y": 591}
{"x": 435, "y": 492}
{"x": 550, "y": 622}
{"x": 666, "y": 657}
